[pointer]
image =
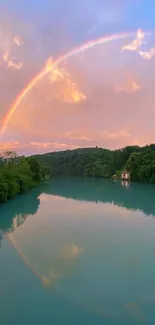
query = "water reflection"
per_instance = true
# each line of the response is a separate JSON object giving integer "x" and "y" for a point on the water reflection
{"x": 15, "y": 212}
{"x": 99, "y": 255}
{"x": 1, "y": 238}
{"x": 125, "y": 184}
{"x": 138, "y": 197}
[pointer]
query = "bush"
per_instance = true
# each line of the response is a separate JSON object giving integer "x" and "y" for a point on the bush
{"x": 18, "y": 175}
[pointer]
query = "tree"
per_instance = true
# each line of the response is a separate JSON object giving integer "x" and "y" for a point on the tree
{"x": 100, "y": 162}
{"x": 19, "y": 174}
{"x": 35, "y": 168}
{"x": 3, "y": 187}
{"x": 9, "y": 157}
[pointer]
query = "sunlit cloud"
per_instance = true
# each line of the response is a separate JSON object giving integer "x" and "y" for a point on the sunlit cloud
{"x": 68, "y": 90}
{"x": 51, "y": 145}
{"x": 129, "y": 87}
{"x": 18, "y": 41}
{"x": 135, "y": 44}
{"x": 14, "y": 65}
{"x": 115, "y": 135}
{"x": 12, "y": 145}
{"x": 107, "y": 100}
{"x": 135, "y": 86}
{"x": 6, "y": 56}
{"x": 8, "y": 53}
{"x": 73, "y": 136}
{"x": 148, "y": 55}
{"x": 11, "y": 62}
{"x": 34, "y": 146}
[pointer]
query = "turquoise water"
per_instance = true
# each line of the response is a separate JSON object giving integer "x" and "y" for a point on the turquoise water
{"x": 77, "y": 251}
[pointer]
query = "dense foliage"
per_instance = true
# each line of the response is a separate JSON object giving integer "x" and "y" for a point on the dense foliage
{"x": 19, "y": 174}
{"x": 98, "y": 162}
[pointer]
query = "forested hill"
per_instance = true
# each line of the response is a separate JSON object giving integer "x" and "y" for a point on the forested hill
{"x": 98, "y": 162}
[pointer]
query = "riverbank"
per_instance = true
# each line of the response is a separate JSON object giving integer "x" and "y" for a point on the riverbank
{"x": 19, "y": 175}
{"x": 139, "y": 162}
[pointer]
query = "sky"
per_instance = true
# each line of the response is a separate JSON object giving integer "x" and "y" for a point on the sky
{"x": 100, "y": 96}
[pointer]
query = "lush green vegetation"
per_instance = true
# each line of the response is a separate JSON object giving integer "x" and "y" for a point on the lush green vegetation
{"x": 98, "y": 162}
{"x": 19, "y": 174}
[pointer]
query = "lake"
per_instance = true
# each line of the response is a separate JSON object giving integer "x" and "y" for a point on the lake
{"x": 78, "y": 251}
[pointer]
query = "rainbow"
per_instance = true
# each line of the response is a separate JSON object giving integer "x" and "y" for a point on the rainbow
{"x": 10, "y": 238}
{"x": 58, "y": 61}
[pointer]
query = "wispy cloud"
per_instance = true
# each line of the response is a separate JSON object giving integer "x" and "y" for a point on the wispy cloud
{"x": 12, "y": 145}
{"x": 68, "y": 90}
{"x": 34, "y": 146}
{"x": 148, "y": 55}
{"x": 12, "y": 62}
{"x": 18, "y": 41}
{"x": 7, "y": 53}
{"x": 14, "y": 65}
{"x": 136, "y": 43}
{"x": 95, "y": 81}
{"x": 128, "y": 88}
{"x": 6, "y": 57}
{"x": 115, "y": 135}
{"x": 73, "y": 136}
{"x": 128, "y": 85}
{"x": 50, "y": 145}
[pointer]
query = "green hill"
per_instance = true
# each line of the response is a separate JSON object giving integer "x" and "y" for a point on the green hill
{"x": 99, "y": 162}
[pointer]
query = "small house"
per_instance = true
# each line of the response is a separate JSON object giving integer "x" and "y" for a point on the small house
{"x": 125, "y": 176}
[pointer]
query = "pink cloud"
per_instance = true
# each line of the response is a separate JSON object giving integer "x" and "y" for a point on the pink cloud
{"x": 73, "y": 136}
{"x": 115, "y": 135}
{"x": 50, "y": 146}
{"x": 136, "y": 43}
{"x": 34, "y": 146}
{"x": 110, "y": 117}
{"x": 18, "y": 41}
{"x": 148, "y": 55}
{"x": 12, "y": 145}
{"x": 128, "y": 87}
